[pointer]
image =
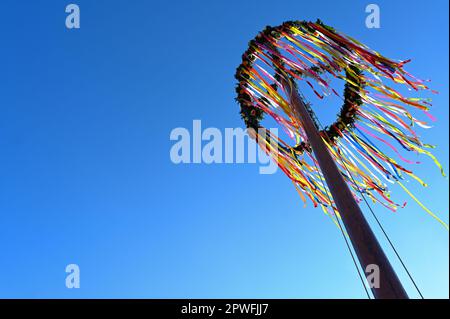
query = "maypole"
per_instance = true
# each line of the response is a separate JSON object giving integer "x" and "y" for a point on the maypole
{"x": 351, "y": 163}
{"x": 365, "y": 243}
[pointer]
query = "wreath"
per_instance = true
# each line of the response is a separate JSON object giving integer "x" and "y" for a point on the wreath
{"x": 252, "y": 115}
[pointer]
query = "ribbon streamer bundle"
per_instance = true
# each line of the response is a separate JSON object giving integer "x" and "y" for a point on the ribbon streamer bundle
{"x": 374, "y": 116}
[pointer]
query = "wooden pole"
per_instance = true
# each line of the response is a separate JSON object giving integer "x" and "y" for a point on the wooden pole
{"x": 365, "y": 244}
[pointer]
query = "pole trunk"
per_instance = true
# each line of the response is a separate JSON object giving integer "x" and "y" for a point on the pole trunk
{"x": 365, "y": 244}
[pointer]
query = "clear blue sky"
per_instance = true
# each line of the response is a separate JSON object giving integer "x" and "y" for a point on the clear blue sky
{"x": 85, "y": 173}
